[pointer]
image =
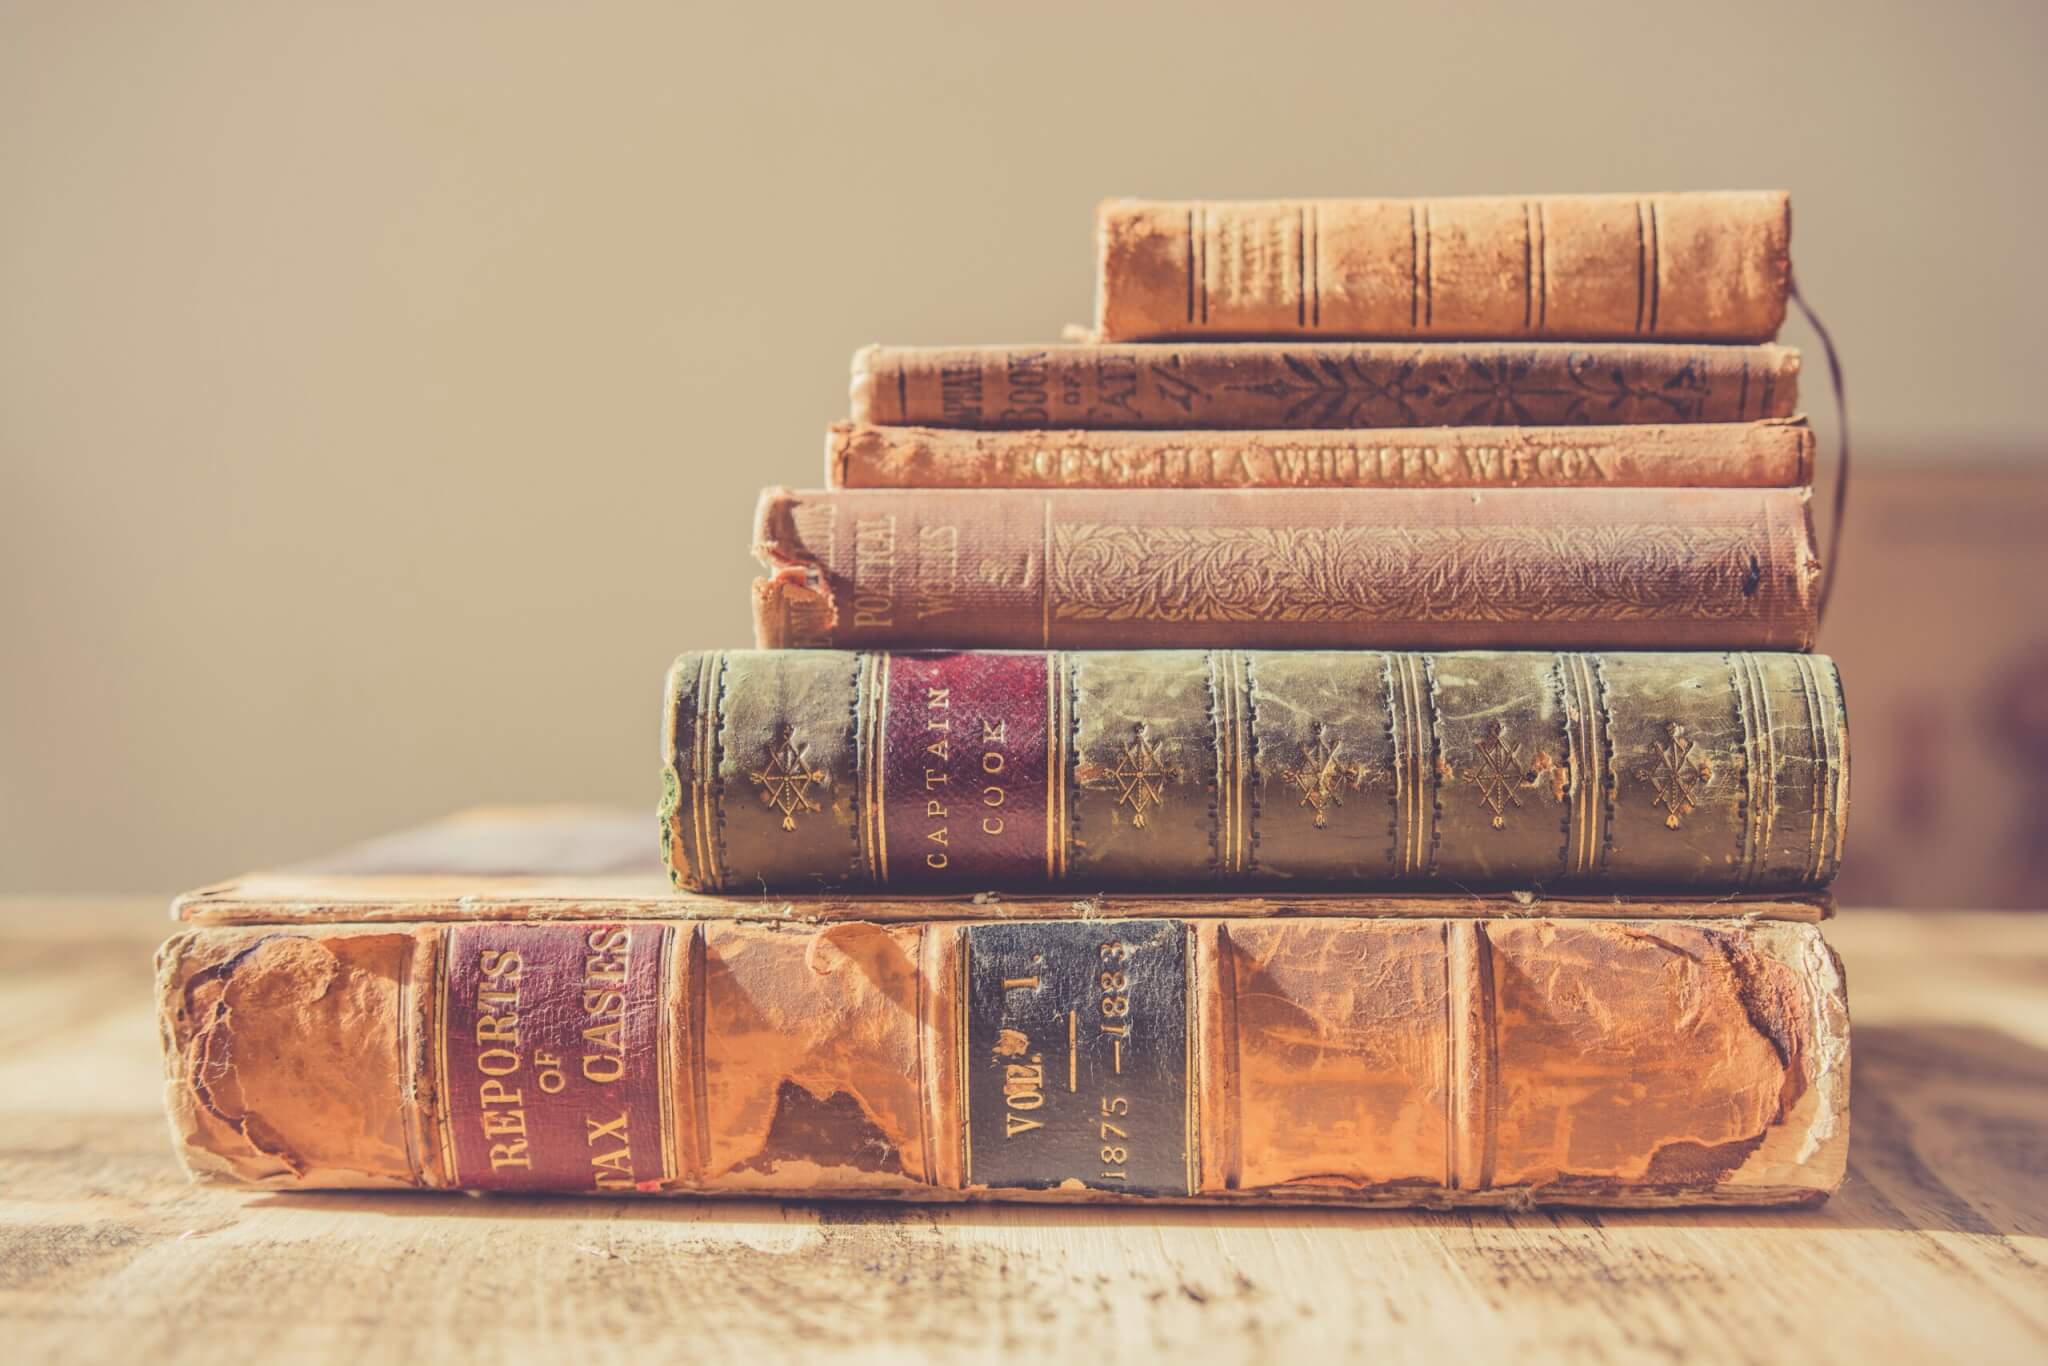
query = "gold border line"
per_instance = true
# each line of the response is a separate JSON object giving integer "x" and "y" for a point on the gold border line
{"x": 1052, "y": 767}
{"x": 664, "y": 1055}
{"x": 881, "y": 771}
{"x": 1191, "y": 1134}
{"x": 445, "y": 943}
{"x": 962, "y": 986}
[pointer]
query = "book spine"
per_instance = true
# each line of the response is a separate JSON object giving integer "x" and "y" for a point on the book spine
{"x": 1287, "y": 568}
{"x": 1315, "y": 383}
{"x": 1703, "y": 267}
{"x": 1703, "y": 455}
{"x": 1491, "y": 1062}
{"x": 1161, "y": 769}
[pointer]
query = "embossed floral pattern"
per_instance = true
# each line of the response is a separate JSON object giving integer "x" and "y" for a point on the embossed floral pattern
{"x": 1508, "y": 387}
{"x": 1372, "y": 573}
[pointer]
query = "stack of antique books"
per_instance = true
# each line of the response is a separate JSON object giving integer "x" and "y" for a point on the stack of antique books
{"x": 1356, "y": 744}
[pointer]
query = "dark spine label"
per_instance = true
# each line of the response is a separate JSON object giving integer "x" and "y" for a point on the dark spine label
{"x": 552, "y": 1066}
{"x": 964, "y": 772}
{"x": 1077, "y": 1069}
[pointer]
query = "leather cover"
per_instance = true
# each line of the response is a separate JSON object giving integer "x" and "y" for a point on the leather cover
{"x": 1318, "y": 383}
{"x": 1344, "y": 1060}
{"x": 563, "y": 863}
{"x": 1705, "y": 266}
{"x": 1411, "y": 568}
{"x": 1164, "y": 769}
{"x": 1697, "y": 455}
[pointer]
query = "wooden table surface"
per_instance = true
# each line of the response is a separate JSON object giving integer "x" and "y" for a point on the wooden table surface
{"x": 1937, "y": 1246}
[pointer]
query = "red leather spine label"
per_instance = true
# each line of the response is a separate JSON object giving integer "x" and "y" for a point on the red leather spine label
{"x": 964, "y": 773}
{"x": 551, "y": 1060}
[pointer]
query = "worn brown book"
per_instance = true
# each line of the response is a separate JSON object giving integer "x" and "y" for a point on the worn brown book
{"x": 1320, "y": 383}
{"x": 1174, "y": 769}
{"x": 366, "y": 1029}
{"x": 1694, "y": 455}
{"x": 1706, "y": 267}
{"x": 1287, "y": 568}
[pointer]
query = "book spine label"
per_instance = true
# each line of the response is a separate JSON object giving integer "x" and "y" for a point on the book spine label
{"x": 1706, "y": 267}
{"x": 553, "y": 1064}
{"x": 814, "y": 770}
{"x": 964, "y": 771}
{"x": 1077, "y": 1057}
{"x": 1286, "y": 568}
{"x": 1704, "y": 455}
{"x": 1319, "y": 384}
{"x": 1480, "y": 1062}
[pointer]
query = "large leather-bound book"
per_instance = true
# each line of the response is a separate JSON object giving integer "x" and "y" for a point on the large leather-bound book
{"x": 1318, "y": 383}
{"x": 810, "y": 770}
{"x": 555, "y": 1032}
{"x": 1410, "y": 568}
{"x": 1710, "y": 266}
{"x": 1778, "y": 453}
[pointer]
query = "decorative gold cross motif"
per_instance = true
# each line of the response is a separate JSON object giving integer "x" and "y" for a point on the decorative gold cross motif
{"x": 1141, "y": 776}
{"x": 1682, "y": 774}
{"x": 786, "y": 781}
{"x": 1498, "y": 775}
{"x": 1321, "y": 777}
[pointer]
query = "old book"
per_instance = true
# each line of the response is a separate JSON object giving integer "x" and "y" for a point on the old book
{"x": 579, "y": 1041}
{"x": 1697, "y": 455}
{"x": 1705, "y": 267}
{"x": 1320, "y": 383}
{"x": 1287, "y": 568}
{"x": 549, "y": 863}
{"x": 1185, "y": 768}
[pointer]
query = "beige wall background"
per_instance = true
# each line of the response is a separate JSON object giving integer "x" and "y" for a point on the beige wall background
{"x": 384, "y": 388}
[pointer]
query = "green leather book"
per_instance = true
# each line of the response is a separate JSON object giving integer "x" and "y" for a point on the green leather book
{"x": 1190, "y": 769}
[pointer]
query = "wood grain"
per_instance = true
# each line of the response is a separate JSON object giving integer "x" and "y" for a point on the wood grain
{"x": 1935, "y": 1247}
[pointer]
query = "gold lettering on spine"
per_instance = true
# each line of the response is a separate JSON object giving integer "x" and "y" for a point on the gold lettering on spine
{"x": 874, "y": 572}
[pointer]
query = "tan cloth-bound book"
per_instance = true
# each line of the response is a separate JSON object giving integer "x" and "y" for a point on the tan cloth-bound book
{"x": 1696, "y": 455}
{"x": 1315, "y": 382}
{"x": 440, "y": 1026}
{"x": 1710, "y": 266}
{"x": 1408, "y": 568}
